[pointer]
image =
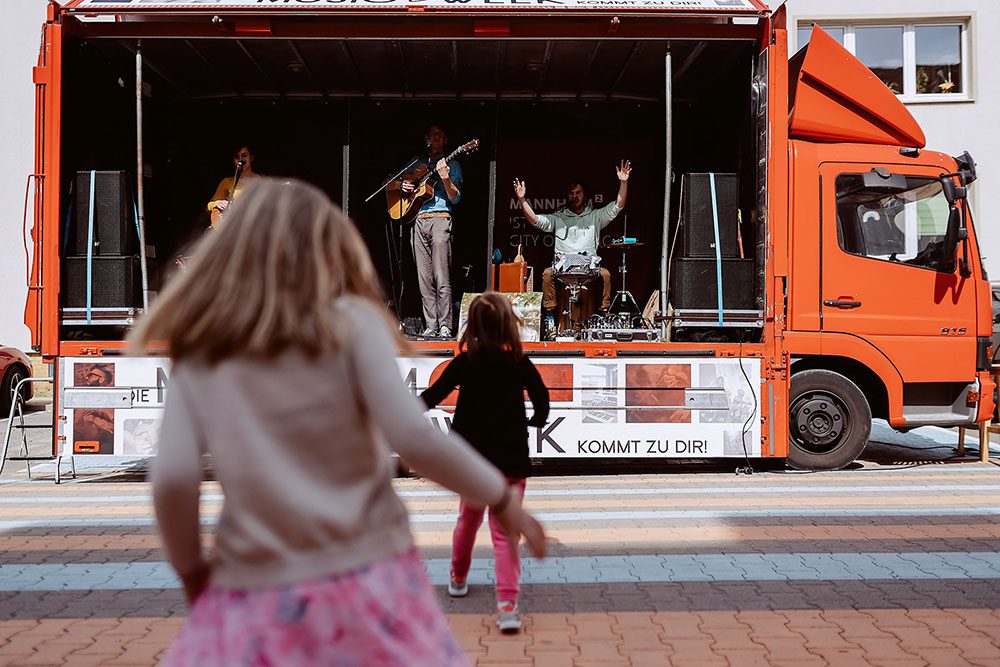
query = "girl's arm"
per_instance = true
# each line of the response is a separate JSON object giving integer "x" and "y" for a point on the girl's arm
{"x": 445, "y": 459}
{"x": 537, "y": 392}
{"x": 450, "y": 378}
{"x": 176, "y": 475}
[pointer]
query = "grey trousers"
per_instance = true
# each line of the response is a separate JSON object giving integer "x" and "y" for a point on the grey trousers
{"x": 431, "y": 240}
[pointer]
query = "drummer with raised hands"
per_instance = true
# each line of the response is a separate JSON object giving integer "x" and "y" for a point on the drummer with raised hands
{"x": 577, "y": 228}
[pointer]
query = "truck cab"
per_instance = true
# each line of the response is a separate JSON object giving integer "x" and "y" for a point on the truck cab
{"x": 888, "y": 304}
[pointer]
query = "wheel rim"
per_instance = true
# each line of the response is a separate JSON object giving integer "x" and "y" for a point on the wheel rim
{"x": 15, "y": 377}
{"x": 820, "y": 421}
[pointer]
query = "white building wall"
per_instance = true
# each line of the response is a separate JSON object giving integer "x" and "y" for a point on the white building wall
{"x": 950, "y": 127}
{"x": 20, "y": 37}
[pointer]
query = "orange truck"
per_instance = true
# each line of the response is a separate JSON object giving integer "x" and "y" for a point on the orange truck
{"x": 853, "y": 289}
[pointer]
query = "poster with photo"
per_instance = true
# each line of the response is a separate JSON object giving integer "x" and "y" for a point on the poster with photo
{"x": 91, "y": 374}
{"x": 527, "y": 306}
{"x": 94, "y": 432}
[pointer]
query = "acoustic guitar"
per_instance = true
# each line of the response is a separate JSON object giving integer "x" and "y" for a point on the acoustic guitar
{"x": 216, "y": 214}
{"x": 403, "y": 206}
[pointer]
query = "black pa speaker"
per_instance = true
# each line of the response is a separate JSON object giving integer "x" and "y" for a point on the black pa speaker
{"x": 695, "y": 284}
{"x": 697, "y": 222}
{"x": 112, "y": 232}
{"x": 116, "y": 282}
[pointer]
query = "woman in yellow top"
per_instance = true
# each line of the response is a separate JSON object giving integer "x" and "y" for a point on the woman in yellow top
{"x": 224, "y": 193}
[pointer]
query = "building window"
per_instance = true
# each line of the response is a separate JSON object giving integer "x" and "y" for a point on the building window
{"x": 939, "y": 59}
{"x": 917, "y": 61}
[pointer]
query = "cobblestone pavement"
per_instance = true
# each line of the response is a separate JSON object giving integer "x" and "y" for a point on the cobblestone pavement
{"x": 895, "y": 562}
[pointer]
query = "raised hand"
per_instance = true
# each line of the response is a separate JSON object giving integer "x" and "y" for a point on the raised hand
{"x": 519, "y": 188}
{"x": 624, "y": 170}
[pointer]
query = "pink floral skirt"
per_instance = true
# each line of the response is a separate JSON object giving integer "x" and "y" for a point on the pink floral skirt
{"x": 381, "y": 615}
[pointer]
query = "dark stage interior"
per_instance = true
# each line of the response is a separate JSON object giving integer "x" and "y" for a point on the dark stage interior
{"x": 344, "y": 115}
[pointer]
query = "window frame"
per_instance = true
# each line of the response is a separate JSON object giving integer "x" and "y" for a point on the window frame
{"x": 909, "y": 94}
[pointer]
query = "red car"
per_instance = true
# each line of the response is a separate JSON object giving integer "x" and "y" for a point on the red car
{"x": 14, "y": 367}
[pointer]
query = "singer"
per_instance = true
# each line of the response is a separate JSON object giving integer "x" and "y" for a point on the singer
{"x": 431, "y": 235}
{"x": 230, "y": 186}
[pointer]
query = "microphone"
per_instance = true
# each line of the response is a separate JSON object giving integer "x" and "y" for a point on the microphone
{"x": 243, "y": 163}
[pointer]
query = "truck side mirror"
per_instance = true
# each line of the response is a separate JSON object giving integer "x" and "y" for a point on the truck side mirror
{"x": 951, "y": 191}
{"x": 954, "y": 233}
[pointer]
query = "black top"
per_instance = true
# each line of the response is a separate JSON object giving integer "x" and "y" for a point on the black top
{"x": 490, "y": 411}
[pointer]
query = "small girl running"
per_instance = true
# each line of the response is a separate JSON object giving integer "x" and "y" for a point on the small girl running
{"x": 284, "y": 370}
{"x": 492, "y": 374}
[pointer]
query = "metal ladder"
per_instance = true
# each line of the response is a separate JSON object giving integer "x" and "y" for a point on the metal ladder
{"x": 17, "y": 410}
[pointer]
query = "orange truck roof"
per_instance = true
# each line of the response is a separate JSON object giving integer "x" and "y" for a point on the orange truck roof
{"x": 683, "y": 7}
{"x": 835, "y": 97}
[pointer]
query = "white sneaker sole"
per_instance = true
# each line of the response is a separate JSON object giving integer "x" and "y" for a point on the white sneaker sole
{"x": 510, "y": 625}
{"x": 458, "y": 592}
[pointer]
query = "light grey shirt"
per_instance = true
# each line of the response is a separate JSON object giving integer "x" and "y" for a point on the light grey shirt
{"x": 578, "y": 233}
{"x": 301, "y": 447}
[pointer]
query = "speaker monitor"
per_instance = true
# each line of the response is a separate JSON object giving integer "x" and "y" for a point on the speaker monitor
{"x": 112, "y": 215}
{"x": 115, "y": 282}
{"x": 697, "y": 221}
{"x": 695, "y": 284}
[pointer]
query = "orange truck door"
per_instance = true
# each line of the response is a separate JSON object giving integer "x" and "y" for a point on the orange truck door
{"x": 884, "y": 278}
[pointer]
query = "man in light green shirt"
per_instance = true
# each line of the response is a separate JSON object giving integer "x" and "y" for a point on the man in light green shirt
{"x": 577, "y": 227}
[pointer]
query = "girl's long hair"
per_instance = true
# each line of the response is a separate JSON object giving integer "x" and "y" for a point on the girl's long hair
{"x": 492, "y": 327}
{"x": 265, "y": 280}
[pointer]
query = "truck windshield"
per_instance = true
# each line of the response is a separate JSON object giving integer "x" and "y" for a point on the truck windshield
{"x": 907, "y": 227}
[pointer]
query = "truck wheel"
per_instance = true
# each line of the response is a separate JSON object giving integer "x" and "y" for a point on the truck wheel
{"x": 829, "y": 421}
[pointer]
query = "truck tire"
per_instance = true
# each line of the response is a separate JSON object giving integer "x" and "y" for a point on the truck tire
{"x": 829, "y": 421}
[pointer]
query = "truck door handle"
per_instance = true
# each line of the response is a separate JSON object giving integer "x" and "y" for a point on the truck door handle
{"x": 846, "y": 305}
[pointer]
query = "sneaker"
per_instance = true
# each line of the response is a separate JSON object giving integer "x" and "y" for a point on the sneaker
{"x": 445, "y": 332}
{"x": 457, "y": 588}
{"x": 507, "y": 618}
{"x": 429, "y": 332}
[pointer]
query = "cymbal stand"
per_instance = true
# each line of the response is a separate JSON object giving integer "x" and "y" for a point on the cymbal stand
{"x": 624, "y": 301}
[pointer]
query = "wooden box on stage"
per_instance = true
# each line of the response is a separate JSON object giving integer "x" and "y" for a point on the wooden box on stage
{"x": 512, "y": 277}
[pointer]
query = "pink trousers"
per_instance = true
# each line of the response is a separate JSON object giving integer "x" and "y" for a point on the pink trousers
{"x": 508, "y": 564}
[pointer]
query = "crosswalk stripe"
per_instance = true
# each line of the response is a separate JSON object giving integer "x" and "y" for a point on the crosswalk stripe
{"x": 575, "y": 570}
{"x": 711, "y": 491}
{"x": 9, "y": 525}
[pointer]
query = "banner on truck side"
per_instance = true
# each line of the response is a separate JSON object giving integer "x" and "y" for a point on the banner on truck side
{"x": 625, "y": 408}
{"x": 457, "y": 5}
{"x": 112, "y": 406}
{"x": 601, "y": 408}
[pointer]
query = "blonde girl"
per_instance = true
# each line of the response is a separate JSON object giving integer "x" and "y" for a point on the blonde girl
{"x": 284, "y": 372}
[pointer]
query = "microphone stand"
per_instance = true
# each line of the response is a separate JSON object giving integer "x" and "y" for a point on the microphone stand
{"x": 236, "y": 177}
{"x": 395, "y": 251}
{"x": 397, "y": 177}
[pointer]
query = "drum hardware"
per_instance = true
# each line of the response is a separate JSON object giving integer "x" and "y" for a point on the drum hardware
{"x": 624, "y": 301}
{"x": 575, "y": 270}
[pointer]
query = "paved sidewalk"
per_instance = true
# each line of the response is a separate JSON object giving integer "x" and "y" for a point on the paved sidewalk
{"x": 883, "y": 565}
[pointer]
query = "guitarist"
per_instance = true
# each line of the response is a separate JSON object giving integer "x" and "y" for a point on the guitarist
{"x": 431, "y": 235}
{"x": 225, "y": 193}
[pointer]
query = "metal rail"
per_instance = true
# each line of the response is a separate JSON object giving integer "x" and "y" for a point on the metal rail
{"x": 16, "y": 406}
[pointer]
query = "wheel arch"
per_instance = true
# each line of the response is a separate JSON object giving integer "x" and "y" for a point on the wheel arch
{"x": 867, "y": 380}
{"x": 853, "y": 357}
